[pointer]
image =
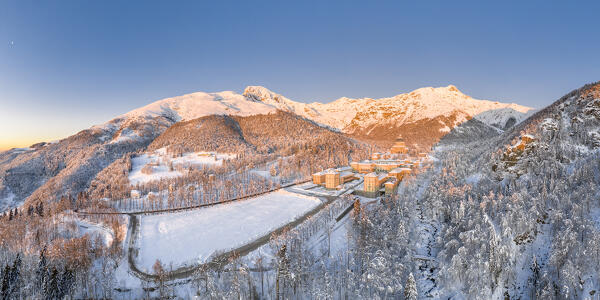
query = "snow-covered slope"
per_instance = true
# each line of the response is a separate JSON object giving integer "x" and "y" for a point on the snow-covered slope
{"x": 350, "y": 115}
{"x": 355, "y": 116}
{"x": 503, "y": 118}
{"x": 421, "y": 117}
{"x": 196, "y": 105}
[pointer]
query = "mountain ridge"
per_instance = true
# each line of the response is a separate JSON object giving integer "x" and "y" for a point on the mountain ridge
{"x": 69, "y": 165}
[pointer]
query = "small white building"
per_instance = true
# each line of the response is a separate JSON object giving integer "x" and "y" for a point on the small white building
{"x": 135, "y": 194}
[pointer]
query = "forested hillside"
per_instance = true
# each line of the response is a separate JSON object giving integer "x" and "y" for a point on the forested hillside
{"x": 422, "y": 117}
{"x": 519, "y": 214}
{"x": 294, "y": 147}
{"x": 510, "y": 216}
{"x": 51, "y": 170}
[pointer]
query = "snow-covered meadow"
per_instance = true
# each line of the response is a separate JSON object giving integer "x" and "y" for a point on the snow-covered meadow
{"x": 193, "y": 236}
{"x": 165, "y": 166}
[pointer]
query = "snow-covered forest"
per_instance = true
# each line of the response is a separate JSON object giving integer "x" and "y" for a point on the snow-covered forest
{"x": 509, "y": 214}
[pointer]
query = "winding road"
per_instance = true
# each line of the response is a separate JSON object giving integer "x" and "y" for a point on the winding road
{"x": 218, "y": 261}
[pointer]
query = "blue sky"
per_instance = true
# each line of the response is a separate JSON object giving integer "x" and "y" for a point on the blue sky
{"x": 66, "y": 65}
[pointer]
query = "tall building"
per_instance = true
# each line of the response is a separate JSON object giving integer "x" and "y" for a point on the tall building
{"x": 399, "y": 147}
{"x": 373, "y": 182}
{"x": 391, "y": 186}
{"x": 332, "y": 179}
{"x": 319, "y": 177}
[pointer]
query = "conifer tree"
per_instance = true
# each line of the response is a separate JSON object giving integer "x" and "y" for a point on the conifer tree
{"x": 41, "y": 273}
{"x": 410, "y": 292}
{"x": 5, "y": 289}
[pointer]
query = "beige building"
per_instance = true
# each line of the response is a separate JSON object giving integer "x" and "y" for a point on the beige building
{"x": 391, "y": 186}
{"x": 395, "y": 173}
{"x": 386, "y": 165}
{"x": 405, "y": 172}
{"x": 366, "y": 167}
{"x": 373, "y": 181}
{"x": 318, "y": 178}
{"x": 376, "y": 156}
{"x": 347, "y": 176}
{"x": 332, "y": 179}
{"x": 399, "y": 147}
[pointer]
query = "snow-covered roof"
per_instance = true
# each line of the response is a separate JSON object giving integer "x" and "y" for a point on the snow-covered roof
{"x": 331, "y": 171}
{"x": 342, "y": 169}
{"x": 346, "y": 173}
{"x": 372, "y": 174}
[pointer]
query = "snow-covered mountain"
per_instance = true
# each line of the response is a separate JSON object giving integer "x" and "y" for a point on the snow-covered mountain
{"x": 435, "y": 110}
{"x": 503, "y": 118}
{"x": 350, "y": 115}
{"x": 196, "y": 105}
{"x": 422, "y": 117}
{"x": 529, "y": 208}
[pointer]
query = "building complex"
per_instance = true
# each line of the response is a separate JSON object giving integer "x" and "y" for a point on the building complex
{"x": 381, "y": 174}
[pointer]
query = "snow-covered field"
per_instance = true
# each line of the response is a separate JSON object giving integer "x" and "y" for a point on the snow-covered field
{"x": 191, "y": 237}
{"x": 163, "y": 162}
{"x": 8, "y": 201}
{"x": 83, "y": 227}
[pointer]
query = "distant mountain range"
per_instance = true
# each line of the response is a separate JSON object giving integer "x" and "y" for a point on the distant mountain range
{"x": 422, "y": 117}
{"x": 437, "y": 110}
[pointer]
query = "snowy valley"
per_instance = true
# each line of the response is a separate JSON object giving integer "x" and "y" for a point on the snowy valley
{"x": 255, "y": 196}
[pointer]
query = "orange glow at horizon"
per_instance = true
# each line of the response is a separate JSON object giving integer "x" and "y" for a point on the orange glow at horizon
{"x": 24, "y": 142}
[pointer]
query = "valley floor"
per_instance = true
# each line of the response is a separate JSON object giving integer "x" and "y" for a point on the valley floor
{"x": 192, "y": 237}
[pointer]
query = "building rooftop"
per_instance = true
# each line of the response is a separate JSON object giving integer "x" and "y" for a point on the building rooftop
{"x": 331, "y": 171}
{"x": 346, "y": 173}
{"x": 342, "y": 169}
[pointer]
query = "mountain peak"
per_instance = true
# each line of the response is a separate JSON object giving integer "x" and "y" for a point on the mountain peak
{"x": 453, "y": 88}
{"x": 262, "y": 94}
{"x": 199, "y": 104}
